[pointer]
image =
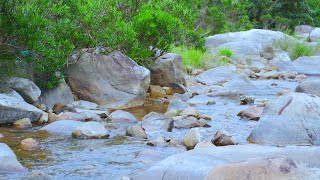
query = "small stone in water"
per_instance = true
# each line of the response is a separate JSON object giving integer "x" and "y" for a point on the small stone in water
{"x": 22, "y": 123}
{"x": 29, "y": 144}
{"x": 244, "y": 100}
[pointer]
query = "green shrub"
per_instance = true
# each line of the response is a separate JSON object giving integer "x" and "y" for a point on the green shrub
{"x": 155, "y": 29}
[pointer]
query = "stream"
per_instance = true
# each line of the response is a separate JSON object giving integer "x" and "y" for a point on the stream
{"x": 68, "y": 158}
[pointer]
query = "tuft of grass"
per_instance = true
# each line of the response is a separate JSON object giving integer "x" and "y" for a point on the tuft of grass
{"x": 297, "y": 49}
{"x": 192, "y": 57}
{"x": 301, "y": 49}
{"x": 225, "y": 52}
{"x": 284, "y": 44}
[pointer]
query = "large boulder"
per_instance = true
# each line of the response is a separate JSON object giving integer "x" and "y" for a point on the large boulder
{"x": 60, "y": 94}
{"x": 63, "y": 127}
{"x": 290, "y": 119}
{"x": 167, "y": 69}
{"x": 112, "y": 81}
{"x": 303, "y": 31}
{"x": 197, "y": 164}
{"x": 315, "y": 35}
{"x": 26, "y": 88}
{"x": 309, "y": 65}
{"x": 266, "y": 168}
{"x": 309, "y": 87}
{"x": 264, "y": 37}
{"x": 217, "y": 75}
{"x": 239, "y": 82}
{"x": 12, "y": 109}
{"x": 85, "y": 105}
{"x": 9, "y": 162}
{"x": 10, "y": 92}
{"x": 257, "y": 42}
{"x": 282, "y": 62}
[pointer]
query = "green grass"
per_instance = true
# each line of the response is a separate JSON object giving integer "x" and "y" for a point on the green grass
{"x": 192, "y": 57}
{"x": 225, "y": 52}
{"x": 195, "y": 58}
{"x": 297, "y": 49}
{"x": 301, "y": 49}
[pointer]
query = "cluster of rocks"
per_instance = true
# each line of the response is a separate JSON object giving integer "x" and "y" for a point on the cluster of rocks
{"x": 287, "y": 130}
{"x": 108, "y": 82}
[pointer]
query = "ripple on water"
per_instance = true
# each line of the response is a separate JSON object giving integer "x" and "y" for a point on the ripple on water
{"x": 67, "y": 158}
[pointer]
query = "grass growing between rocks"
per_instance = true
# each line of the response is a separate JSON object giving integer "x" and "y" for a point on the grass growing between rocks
{"x": 297, "y": 49}
{"x": 195, "y": 58}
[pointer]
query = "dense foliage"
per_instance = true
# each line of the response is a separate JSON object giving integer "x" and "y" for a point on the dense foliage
{"x": 38, "y": 36}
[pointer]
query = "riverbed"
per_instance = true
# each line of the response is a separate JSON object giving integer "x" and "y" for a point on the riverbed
{"x": 62, "y": 157}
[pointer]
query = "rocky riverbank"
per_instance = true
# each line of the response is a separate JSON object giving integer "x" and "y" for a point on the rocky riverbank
{"x": 262, "y": 111}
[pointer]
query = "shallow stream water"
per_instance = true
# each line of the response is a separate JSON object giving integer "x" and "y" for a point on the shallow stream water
{"x": 68, "y": 158}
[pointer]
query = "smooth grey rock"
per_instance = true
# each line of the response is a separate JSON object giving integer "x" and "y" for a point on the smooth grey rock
{"x": 60, "y": 94}
{"x": 239, "y": 82}
{"x": 308, "y": 65}
{"x": 302, "y": 29}
{"x": 136, "y": 131}
{"x": 12, "y": 109}
{"x": 72, "y": 116}
{"x": 290, "y": 119}
{"x": 257, "y": 42}
{"x": 185, "y": 122}
{"x": 192, "y": 138}
{"x": 166, "y": 69}
{"x": 150, "y": 157}
{"x": 201, "y": 100}
{"x": 223, "y": 138}
{"x": 309, "y": 87}
{"x": 63, "y": 127}
{"x": 282, "y": 62}
{"x": 157, "y": 122}
{"x": 10, "y": 92}
{"x": 190, "y": 111}
{"x": 101, "y": 113}
{"x": 241, "y": 52}
{"x": 26, "y": 88}
{"x": 216, "y": 75}
{"x": 196, "y": 164}
{"x": 22, "y": 123}
{"x": 251, "y": 113}
{"x": 178, "y": 88}
{"x": 156, "y": 91}
{"x": 111, "y": 81}
{"x": 9, "y": 162}
{"x": 199, "y": 88}
{"x": 263, "y": 168}
{"x": 90, "y": 130}
{"x": 177, "y": 104}
{"x": 85, "y": 105}
{"x": 315, "y": 35}
{"x": 121, "y": 116}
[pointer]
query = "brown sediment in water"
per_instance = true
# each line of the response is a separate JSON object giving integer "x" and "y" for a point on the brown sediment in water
{"x": 13, "y": 137}
{"x": 149, "y": 106}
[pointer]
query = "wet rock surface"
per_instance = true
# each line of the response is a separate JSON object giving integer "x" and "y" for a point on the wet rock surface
{"x": 9, "y": 162}
{"x": 199, "y": 114}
